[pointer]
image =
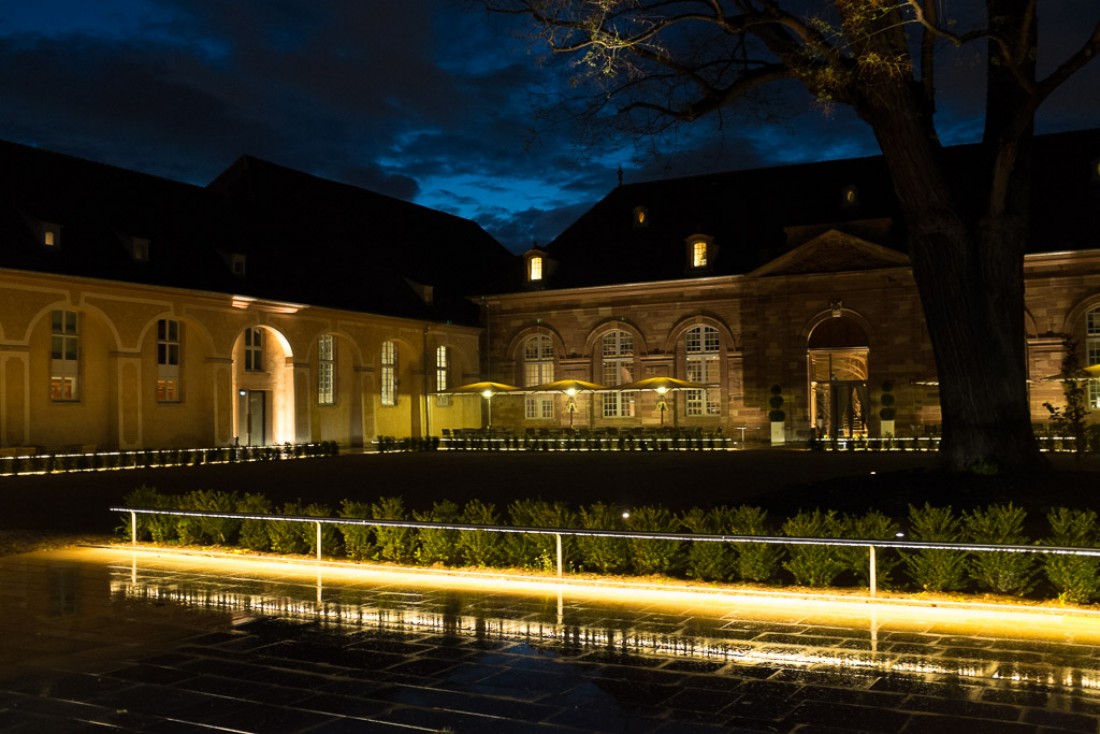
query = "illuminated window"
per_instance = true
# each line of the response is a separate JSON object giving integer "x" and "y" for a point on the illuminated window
{"x": 168, "y": 360}
{"x": 617, "y": 348}
{"x": 641, "y": 216}
{"x": 64, "y": 355}
{"x": 50, "y": 236}
{"x": 538, "y": 369}
{"x": 389, "y": 373}
{"x": 534, "y": 268}
{"x": 698, "y": 254}
{"x": 140, "y": 249}
{"x": 1092, "y": 353}
{"x": 701, "y": 346}
{"x": 326, "y": 370}
{"x": 238, "y": 263}
{"x": 442, "y": 374}
{"x": 254, "y": 350}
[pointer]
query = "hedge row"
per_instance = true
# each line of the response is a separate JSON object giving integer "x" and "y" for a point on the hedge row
{"x": 50, "y": 463}
{"x": 1070, "y": 578}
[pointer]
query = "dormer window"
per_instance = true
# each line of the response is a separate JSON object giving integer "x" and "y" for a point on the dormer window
{"x": 700, "y": 252}
{"x": 51, "y": 235}
{"x": 1096, "y": 170}
{"x": 641, "y": 217}
{"x": 849, "y": 197}
{"x": 139, "y": 249}
{"x": 535, "y": 266}
{"x": 237, "y": 263}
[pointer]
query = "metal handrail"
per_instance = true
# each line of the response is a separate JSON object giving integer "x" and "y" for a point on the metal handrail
{"x": 870, "y": 543}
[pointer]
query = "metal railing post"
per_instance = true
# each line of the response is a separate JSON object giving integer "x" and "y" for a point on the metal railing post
{"x": 318, "y": 540}
{"x": 557, "y": 539}
{"x": 133, "y": 528}
{"x": 873, "y": 570}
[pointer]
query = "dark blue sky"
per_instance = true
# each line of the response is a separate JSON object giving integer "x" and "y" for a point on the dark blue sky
{"x": 428, "y": 100}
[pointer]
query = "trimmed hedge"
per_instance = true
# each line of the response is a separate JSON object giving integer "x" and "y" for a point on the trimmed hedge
{"x": 1069, "y": 578}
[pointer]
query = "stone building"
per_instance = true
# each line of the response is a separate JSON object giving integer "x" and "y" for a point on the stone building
{"x": 791, "y": 281}
{"x": 267, "y": 307}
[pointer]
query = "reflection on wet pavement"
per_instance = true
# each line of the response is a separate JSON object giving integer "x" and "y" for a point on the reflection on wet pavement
{"x": 100, "y": 639}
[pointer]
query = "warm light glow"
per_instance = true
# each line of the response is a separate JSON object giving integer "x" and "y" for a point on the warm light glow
{"x": 699, "y": 254}
{"x": 535, "y": 268}
{"x": 486, "y": 394}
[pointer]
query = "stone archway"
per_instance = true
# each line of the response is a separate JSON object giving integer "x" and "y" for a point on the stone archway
{"x": 836, "y": 359}
{"x": 263, "y": 383}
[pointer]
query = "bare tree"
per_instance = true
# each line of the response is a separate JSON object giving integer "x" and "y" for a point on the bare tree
{"x": 659, "y": 61}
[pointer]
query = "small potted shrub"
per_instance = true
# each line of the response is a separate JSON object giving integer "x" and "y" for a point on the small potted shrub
{"x": 887, "y": 413}
{"x": 777, "y": 416}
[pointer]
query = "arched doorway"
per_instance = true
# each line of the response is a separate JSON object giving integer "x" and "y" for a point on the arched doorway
{"x": 836, "y": 358}
{"x": 263, "y": 382}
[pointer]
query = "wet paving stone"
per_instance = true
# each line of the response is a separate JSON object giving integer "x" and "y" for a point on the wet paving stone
{"x": 154, "y": 644}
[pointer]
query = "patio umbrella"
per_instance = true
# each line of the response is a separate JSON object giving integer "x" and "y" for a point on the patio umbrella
{"x": 486, "y": 389}
{"x": 660, "y": 384}
{"x": 479, "y": 388}
{"x": 568, "y": 386}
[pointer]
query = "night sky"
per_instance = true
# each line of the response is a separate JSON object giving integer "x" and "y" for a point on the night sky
{"x": 433, "y": 101}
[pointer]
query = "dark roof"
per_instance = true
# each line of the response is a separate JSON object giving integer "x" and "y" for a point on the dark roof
{"x": 305, "y": 240}
{"x": 756, "y": 215}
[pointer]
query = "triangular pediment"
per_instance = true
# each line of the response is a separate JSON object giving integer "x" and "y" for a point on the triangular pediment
{"x": 833, "y": 252}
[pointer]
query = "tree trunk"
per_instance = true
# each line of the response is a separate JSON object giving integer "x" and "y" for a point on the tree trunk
{"x": 970, "y": 279}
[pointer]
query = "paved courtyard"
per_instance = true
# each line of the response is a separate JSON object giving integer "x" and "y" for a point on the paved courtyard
{"x": 102, "y": 640}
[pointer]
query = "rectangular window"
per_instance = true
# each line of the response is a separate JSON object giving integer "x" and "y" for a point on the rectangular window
{"x": 389, "y": 374}
{"x": 168, "y": 360}
{"x": 618, "y": 369}
{"x": 538, "y": 369}
{"x": 699, "y": 254}
{"x": 442, "y": 375}
{"x": 536, "y": 268}
{"x": 253, "y": 350}
{"x": 64, "y": 355}
{"x": 326, "y": 370}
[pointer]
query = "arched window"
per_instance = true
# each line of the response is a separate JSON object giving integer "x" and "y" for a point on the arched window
{"x": 389, "y": 373}
{"x": 617, "y": 350}
{"x": 701, "y": 346}
{"x": 1092, "y": 353}
{"x": 168, "y": 361}
{"x": 326, "y": 370}
{"x": 64, "y": 355}
{"x": 538, "y": 369}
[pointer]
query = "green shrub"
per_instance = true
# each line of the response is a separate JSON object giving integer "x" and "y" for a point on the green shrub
{"x": 394, "y": 544}
{"x": 330, "y": 534}
{"x": 358, "y": 539}
{"x": 480, "y": 547}
{"x": 757, "y": 562}
{"x": 286, "y": 537}
{"x": 158, "y": 528}
{"x": 253, "y": 533}
{"x": 709, "y": 561}
{"x": 935, "y": 569}
{"x": 1075, "y": 578}
{"x": 653, "y": 556}
{"x": 208, "y": 530}
{"x": 437, "y": 545}
{"x": 538, "y": 550}
{"x": 814, "y": 565}
{"x": 873, "y": 526}
{"x": 606, "y": 555}
{"x": 1002, "y": 573}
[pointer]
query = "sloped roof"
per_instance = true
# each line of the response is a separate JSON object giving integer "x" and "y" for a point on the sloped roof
{"x": 306, "y": 240}
{"x": 755, "y": 216}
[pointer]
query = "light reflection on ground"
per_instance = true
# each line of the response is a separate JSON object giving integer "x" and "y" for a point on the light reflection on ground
{"x": 112, "y": 622}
